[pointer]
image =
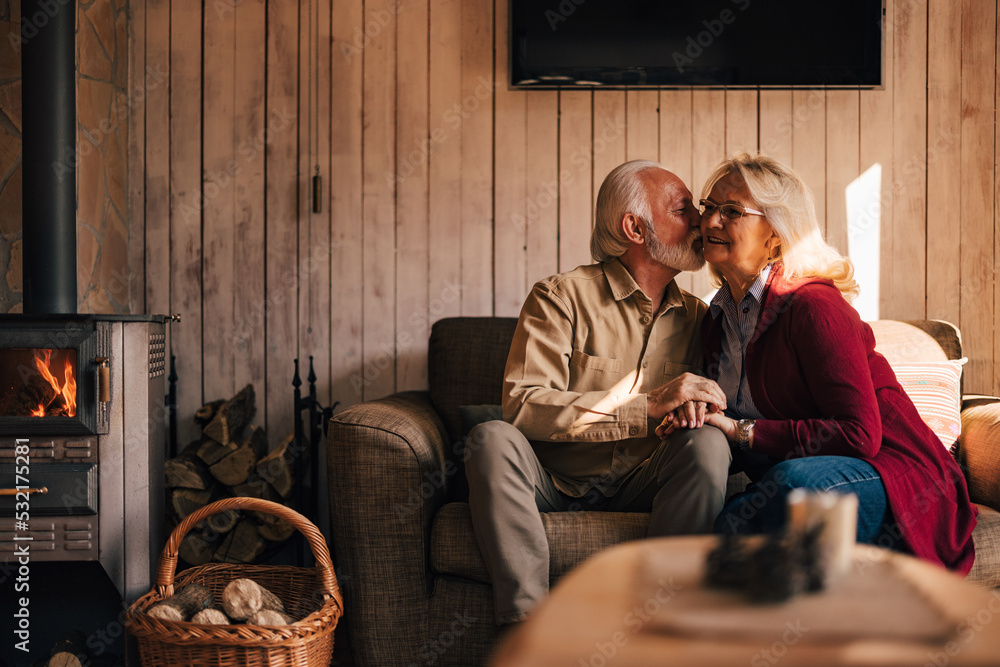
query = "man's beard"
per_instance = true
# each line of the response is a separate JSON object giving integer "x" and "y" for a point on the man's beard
{"x": 682, "y": 256}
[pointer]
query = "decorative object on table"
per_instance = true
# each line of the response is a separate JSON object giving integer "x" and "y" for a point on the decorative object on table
{"x": 308, "y": 594}
{"x": 812, "y": 553}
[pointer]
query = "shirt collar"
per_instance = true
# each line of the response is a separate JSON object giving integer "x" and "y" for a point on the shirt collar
{"x": 623, "y": 285}
{"x": 725, "y": 295}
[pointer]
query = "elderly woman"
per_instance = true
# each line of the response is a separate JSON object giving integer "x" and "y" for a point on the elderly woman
{"x": 810, "y": 403}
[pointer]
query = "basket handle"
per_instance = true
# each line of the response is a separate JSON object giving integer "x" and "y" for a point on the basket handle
{"x": 167, "y": 565}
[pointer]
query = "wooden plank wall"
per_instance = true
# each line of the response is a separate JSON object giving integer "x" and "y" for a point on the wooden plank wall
{"x": 445, "y": 193}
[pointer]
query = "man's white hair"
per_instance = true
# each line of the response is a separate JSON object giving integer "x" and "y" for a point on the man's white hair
{"x": 623, "y": 191}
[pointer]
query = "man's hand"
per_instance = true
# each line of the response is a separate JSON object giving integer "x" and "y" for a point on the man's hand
{"x": 682, "y": 389}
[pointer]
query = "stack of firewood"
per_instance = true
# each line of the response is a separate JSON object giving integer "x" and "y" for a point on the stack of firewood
{"x": 230, "y": 459}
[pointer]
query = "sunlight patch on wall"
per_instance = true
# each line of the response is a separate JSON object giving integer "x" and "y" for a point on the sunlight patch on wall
{"x": 864, "y": 218}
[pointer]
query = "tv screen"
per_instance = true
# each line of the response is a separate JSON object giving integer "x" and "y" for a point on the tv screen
{"x": 732, "y": 43}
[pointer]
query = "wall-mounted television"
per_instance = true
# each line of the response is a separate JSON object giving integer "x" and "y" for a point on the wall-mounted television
{"x": 681, "y": 43}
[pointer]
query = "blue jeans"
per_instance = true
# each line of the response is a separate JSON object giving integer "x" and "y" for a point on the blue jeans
{"x": 761, "y": 508}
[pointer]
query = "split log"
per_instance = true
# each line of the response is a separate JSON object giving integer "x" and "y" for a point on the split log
{"x": 198, "y": 546}
{"x": 228, "y": 423}
{"x": 258, "y": 441}
{"x": 211, "y": 451}
{"x": 64, "y": 659}
{"x": 272, "y": 528}
{"x": 235, "y": 468}
{"x": 73, "y": 641}
{"x": 276, "y": 468}
{"x": 223, "y": 522}
{"x": 255, "y": 487}
{"x": 242, "y": 544}
{"x": 185, "y": 501}
{"x": 207, "y": 412}
{"x": 187, "y": 470}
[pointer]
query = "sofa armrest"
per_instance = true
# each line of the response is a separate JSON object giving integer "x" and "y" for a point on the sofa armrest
{"x": 979, "y": 448}
{"x": 388, "y": 469}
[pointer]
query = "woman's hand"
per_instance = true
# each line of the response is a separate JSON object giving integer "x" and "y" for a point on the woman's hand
{"x": 725, "y": 424}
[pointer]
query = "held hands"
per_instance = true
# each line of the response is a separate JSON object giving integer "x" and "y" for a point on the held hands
{"x": 693, "y": 395}
{"x": 693, "y": 415}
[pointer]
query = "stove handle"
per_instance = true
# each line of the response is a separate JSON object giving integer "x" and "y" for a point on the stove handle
{"x": 16, "y": 490}
{"x": 103, "y": 379}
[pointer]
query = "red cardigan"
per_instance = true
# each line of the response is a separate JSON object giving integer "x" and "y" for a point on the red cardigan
{"x": 814, "y": 374}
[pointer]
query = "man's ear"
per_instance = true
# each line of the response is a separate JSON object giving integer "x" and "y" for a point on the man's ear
{"x": 634, "y": 228}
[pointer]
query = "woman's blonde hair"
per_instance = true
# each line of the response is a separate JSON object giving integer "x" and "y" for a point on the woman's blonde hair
{"x": 789, "y": 206}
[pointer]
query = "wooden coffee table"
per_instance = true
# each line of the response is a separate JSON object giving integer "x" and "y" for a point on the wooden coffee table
{"x": 615, "y": 609}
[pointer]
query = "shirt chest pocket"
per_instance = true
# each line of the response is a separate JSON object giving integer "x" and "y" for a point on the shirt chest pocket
{"x": 590, "y": 373}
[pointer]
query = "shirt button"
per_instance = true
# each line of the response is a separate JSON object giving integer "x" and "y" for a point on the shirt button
{"x": 746, "y": 309}
{"x": 645, "y": 319}
{"x": 633, "y": 430}
{"x": 645, "y": 364}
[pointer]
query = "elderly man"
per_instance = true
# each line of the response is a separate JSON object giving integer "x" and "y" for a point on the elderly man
{"x": 600, "y": 355}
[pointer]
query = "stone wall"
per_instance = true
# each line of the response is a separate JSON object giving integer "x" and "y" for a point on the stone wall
{"x": 102, "y": 138}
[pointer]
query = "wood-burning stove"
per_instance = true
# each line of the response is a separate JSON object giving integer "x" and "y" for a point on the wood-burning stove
{"x": 102, "y": 466}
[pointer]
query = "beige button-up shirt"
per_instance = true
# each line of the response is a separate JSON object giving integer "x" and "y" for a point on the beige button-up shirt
{"x": 586, "y": 351}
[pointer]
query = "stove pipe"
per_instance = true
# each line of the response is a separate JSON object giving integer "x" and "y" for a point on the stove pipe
{"x": 48, "y": 85}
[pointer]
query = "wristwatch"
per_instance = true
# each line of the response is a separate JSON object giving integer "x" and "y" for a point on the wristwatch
{"x": 744, "y": 429}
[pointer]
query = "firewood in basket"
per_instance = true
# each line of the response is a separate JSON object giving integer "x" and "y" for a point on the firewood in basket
{"x": 276, "y": 468}
{"x": 210, "y": 616}
{"x": 183, "y": 604}
{"x": 242, "y": 598}
{"x": 243, "y": 544}
{"x": 235, "y": 468}
{"x": 228, "y": 423}
{"x": 270, "y": 617}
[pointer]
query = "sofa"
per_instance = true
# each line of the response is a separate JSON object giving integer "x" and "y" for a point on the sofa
{"x": 416, "y": 591}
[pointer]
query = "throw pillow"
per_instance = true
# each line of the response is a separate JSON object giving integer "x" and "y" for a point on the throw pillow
{"x": 934, "y": 388}
{"x": 477, "y": 414}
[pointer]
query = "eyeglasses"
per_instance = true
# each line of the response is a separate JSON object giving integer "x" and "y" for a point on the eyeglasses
{"x": 729, "y": 212}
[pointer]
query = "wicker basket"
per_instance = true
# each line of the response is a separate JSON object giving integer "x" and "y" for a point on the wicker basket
{"x": 310, "y": 594}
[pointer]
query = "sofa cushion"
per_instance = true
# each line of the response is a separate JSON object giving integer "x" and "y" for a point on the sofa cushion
{"x": 922, "y": 340}
{"x": 986, "y": 568}
{"x": 573, "y": 537}
{"x": 466, "y": 357}
{"x": 935, "y": 389}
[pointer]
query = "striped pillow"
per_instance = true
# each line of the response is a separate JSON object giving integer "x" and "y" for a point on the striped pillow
{"x": 934, "y": 388}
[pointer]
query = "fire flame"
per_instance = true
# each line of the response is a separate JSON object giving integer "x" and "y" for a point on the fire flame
{"x": 66, "y": 389}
